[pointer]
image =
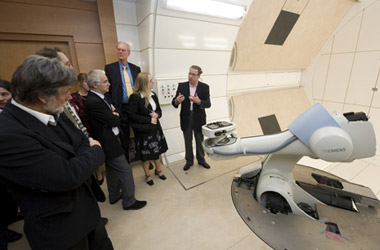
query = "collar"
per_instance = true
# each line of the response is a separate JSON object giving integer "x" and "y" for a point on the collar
{"x": 191, "y": 86}
{"x": 122, "y": 65}
{"x": 44, "y": 118}
{"x": 142, "y": 94}
{"x": 97, "y": 93}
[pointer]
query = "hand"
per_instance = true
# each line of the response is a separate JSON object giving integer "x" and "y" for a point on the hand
{"x": 195, "y": 99}
{"x": 153, "y": 120}
{"x": 113, "y": 108}
{"x": 153, "y": 115}
{"x": 93, "y": 142}
{"x": 179, "y": 98}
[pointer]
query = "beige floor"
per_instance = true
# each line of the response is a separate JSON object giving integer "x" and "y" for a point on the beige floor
{"x": 194, "y": 210}
{"x": 190, "y": 210}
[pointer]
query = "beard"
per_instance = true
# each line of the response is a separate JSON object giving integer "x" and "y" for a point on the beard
{"x": 50, "y": 107}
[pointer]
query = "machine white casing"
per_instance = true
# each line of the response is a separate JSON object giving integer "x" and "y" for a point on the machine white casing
{"x": 316, "y": 134}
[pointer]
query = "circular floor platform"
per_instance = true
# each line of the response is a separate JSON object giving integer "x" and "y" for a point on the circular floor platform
{"x": 357, "y": 230}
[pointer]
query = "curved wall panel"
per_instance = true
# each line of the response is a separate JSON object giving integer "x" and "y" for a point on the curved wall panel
{"x": 344, "y": 76}
{"x": 317, "y": 21}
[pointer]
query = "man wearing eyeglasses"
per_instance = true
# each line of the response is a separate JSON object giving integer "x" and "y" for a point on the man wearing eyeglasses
{"x": 122, "y": 75}
{"x": 104, "y": 121}
{"x": 194, "y": 97}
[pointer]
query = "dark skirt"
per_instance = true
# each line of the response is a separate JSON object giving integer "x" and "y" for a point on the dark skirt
{"x": 151, "y": 146}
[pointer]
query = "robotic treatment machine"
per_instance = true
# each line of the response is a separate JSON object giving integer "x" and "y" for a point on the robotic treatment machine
{"x": 295, "y": 207}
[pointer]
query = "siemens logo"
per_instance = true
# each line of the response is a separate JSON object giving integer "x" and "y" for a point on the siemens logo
{"x": 334, "y": 150}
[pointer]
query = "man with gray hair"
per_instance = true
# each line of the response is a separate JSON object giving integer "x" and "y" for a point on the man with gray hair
{"x": 47, "y": 164}
{"x": 122, "y": 76}
{"x": 68, "y": 108}
{"x": 56, "y": 52}
{"x": 104, "y": 122}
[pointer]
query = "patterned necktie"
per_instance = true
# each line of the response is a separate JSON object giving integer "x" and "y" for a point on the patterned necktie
{"x": 127, "y": 80}
{"x": 75, "y": 118}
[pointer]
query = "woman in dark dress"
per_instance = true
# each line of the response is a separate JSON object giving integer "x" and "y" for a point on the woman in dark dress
{"x": 144, "y": 112}
{"x": 79, "y": 98}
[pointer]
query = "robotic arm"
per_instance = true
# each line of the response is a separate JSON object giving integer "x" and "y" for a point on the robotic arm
{"x": 315, "y": 133}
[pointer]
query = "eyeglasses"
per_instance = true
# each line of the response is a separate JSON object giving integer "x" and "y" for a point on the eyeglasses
{"x": 105, "y": 82}
{"x": 123, "y": 50}
{"x": 192, "y": 74}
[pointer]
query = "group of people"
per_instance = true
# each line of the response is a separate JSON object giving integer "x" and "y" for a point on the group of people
{"x": 9, "y": 208}
{"x": 52, "y": 143}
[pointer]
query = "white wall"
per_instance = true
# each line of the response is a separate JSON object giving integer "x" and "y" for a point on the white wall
{"x": 166, "y": 42}
{"x": 126, "y": 27}
{"x": 346, "y": 71}
{"x": 181, "y": 40}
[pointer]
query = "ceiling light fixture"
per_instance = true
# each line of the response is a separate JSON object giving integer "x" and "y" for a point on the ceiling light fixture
{"x": 207, "y": 7}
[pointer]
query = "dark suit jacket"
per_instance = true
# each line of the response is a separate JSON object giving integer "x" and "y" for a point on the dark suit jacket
{"x": 114, "y": 77}
{"x": 101, "y": 120}
{"x": 199, "y": 113}
{"x": 49, "y": 179}
{"x": 138, "y": 113}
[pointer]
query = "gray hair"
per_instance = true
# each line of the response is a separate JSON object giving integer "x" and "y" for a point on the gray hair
{"x": 40, "y": 76}
{"x": 94, "y": 77}
{"x": 127, "y": 44}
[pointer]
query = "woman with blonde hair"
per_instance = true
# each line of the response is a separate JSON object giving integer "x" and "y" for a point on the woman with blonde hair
{"x": 144, "y": 112}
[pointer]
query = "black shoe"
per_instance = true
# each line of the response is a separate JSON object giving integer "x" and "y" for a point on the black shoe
{"x": 104, "y": 220}
{"x": 150, "y": 183}
{"x": 101, "y": 181}
{"x": 162, "y": 176}
{"x": 150, "y": 166}
{"x": 205, "y": 165}
{"x": 116, "y": 200}
{"x": 187, "y": 166}
{"x": 136, "y": 206}
{"x": 11, "y": 236}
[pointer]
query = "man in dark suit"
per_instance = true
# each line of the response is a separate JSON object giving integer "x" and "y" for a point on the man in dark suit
{"x": 194, "y": 97}
{"x": 68, "y": 109}
{"x": 104, "y": 122}
{"x": 56, "y": 52}
{"x": 47, "y": 163}
{"x": 122, "y": 75}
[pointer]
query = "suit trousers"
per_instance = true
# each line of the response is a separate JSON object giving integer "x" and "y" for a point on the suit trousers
{"x": 188, "y": 136}
{"x": 95, "y": 240}
{"x": 124, "y": 125}
{"x": 119, "y": 176}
